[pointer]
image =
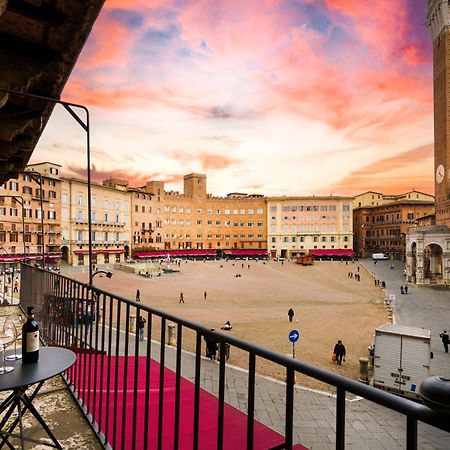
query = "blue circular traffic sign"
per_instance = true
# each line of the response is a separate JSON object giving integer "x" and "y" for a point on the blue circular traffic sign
{"x": 294, "y": 336}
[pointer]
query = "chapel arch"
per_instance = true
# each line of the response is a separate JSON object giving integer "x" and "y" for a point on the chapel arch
{"x": 433, "y": 263}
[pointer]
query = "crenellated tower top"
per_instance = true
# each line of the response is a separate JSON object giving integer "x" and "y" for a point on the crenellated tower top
{"x": 438, "y": 17}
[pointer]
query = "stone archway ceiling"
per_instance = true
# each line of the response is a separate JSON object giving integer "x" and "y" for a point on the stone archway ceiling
{"x": 40, "y": 41}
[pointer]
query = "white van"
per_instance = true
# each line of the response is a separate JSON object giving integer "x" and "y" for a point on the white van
{"x": 379, "y": 256}
{"x": 401, "y": 358}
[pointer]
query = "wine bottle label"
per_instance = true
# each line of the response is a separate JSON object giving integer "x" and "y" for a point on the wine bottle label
{"x": 32, "y": 341}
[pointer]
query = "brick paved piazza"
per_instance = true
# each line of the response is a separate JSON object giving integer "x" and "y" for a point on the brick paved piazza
{"x": 328, "y": 304}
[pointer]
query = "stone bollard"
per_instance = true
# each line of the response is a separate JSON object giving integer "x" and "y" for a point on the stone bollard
{"x": 171, "y": 332}
{"x": 364, "y": 370}
{"x": 132, "y": 323}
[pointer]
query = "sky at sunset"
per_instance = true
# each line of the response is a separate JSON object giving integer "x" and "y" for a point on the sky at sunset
{"x": 278, "y": 97}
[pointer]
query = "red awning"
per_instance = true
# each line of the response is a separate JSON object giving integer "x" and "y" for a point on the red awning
{"x": 55, "y": 256}
{"x": 11, "y": 258}
{"x": 246, "y": 252}
{"x": 331, "y": 252}
{"x": 175, "y": 253}
{"x": 85, "y": 251}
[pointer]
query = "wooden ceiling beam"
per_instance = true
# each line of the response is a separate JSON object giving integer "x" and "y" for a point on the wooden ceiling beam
{"x": 45, "y": 14}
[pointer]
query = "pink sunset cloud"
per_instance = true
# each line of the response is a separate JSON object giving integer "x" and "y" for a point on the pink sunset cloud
{"x": 384, "y": 27}
{"x": 207, "y": 160}
{"x": 135, "y": 178}
{"x": 204, "y": 69}
{"x": 391, "y": 175}
{"x": 212, "y": 161}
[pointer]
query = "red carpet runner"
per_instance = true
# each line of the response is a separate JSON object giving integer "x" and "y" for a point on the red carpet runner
{"x": 235, "y": 422}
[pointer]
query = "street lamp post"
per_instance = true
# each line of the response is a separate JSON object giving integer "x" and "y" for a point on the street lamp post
{"x": 104, "y": 272}
{"x": 85, "y": 125}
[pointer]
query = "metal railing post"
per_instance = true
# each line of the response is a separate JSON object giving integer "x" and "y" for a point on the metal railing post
{"x": 340, "y": 418}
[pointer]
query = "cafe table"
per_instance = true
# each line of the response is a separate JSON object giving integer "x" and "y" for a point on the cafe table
{"x": 52, "y": 361}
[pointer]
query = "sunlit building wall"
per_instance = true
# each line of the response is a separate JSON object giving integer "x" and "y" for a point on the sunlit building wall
{"x": 110, "y": 222}
{"x": 382, "y": 228}
{"x": 21, "y": 198}
{"x": 299, "y": 225}
{"x": 195, "y": 219}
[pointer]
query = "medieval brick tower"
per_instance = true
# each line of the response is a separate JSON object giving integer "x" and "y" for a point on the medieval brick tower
{"x": 428, "y": 248}
{"x": 438, "y": 22}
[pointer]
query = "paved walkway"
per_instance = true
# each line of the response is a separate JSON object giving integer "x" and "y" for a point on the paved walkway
{"x": 368, "y": 426}
{"x": 424, "y": 307}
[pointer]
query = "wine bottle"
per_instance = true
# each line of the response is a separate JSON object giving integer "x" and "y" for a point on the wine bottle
{"x": 30, "y": 338}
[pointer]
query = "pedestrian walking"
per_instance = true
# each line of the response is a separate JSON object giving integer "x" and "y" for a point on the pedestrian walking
{"x": 16, "y": 287}
{"x": 290, "y": 314}
{"x": 181, "y": 298}
{"x": 445, "y": 340}
{"x": 401, "y": 290}
{"x": 339, "y": 351}
{"x": 204, "y": 295}
{"x": 406, "y": 289}
{"x": 138, "y": 295}
{"x": 141, "y": 326}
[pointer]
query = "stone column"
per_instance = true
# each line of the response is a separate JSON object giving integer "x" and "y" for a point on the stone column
{"x": 364, "y": 370}
{"x": 171, "y": 334}
{"x": 132, "y": 323}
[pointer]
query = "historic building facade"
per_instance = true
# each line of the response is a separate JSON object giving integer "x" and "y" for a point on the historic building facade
{"x": 372, "y": 198}
{"x": 30, "y": 221}
{"x": 320, "y": 226}
{"x": 147, "y": 211}
{"x": 110, "y": 222}
{"x": 428, "y": 248}
{"x": 196, "y": 220}
{"x": 383, "y": 228}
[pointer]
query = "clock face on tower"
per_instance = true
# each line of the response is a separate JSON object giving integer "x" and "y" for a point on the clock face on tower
{"x": 440, "y": 172}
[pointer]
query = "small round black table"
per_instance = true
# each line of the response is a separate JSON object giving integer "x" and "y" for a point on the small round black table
{"x": 52, "y": 361}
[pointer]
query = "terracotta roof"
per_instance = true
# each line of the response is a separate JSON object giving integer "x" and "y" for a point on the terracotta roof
{"x": 39, "y": 45}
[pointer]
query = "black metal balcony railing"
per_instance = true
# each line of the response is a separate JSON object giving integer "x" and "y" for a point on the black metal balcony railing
{"x": 66, "y": 308}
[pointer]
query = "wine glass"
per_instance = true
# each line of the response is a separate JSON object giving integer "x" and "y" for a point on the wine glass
{"x": 6, "y": 338}
{"x": 10, "y": 325}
